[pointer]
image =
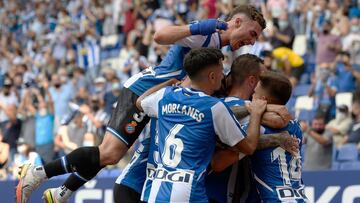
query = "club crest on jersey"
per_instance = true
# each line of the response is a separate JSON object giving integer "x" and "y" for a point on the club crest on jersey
{"x": 130, "y": 127}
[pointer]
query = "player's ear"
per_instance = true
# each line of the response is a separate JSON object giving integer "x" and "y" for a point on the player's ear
{"x": 238, "y": 21}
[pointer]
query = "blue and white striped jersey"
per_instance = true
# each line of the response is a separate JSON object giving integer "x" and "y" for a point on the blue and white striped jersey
{"x": 220, "y": 186}
{"x": 172, "y": 65}
{"x": 133, "y": 174}
{"x": 277, "y": 172}
{"x": 188, "y": 122}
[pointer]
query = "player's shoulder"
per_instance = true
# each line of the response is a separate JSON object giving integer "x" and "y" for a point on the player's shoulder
{"x": 234, "y": 101}
{"x": 294, "y": 127}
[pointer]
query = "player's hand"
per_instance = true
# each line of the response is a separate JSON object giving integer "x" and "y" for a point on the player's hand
{"x": 289, "y": 143}
{"x": 257, "y": 107}
{"x": 207, "y": 27}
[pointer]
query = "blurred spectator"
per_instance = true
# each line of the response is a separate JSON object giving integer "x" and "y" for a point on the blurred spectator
{"x": 354, "y": 134}
{"x": 79, "y": 79}
{"x": 340, "y": 125}
{"x": 208, "y": 9}
{"x": 328, "y": 45}
{"x": 99, "y": 87}
{"x": 25, "y": 154}
{"x": 347, "y": 74}
{"x": 4, "y": 157}
{"x": 110, "y": 77}
{"x": 351, "y": 41}
{"x": 262, "y": 44}
{"x": 318, "y": 151}
{"x": 282, "y": 33}
{"x": 71, "y": 136}
{"x": 324, "y": 88}
{"x": 87, "y": 52}
{"x": 276, "y": 7}
{"x": 41, "y": 105}
{"x": 268, "y": 59}
{"x": 95, "y": 118}
{"x": 61, "y": 93}
{"x": 9, "y": 124}
{"x": 111, "y": 97}
{"x": 291, "y": 63}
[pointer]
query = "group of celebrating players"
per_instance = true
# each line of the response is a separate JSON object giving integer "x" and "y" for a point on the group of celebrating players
{"x": 201, "y": 147}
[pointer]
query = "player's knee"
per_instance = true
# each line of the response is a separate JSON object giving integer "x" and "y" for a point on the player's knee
{"x": 111, "y": 150}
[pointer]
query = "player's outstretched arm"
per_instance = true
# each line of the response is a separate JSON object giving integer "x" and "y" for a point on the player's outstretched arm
{"x": 171, "y": 34}
{"x": 224, "y": 158}
{"x": 282, "y": 139}
{"x": 276, "y": 116}
{"x": 281, "y": 110}
{"x": 240, "y": 112}
{"x": 153, "y": 90}
{"x": 248, "y": 145}
{"x": 274, "y": 120}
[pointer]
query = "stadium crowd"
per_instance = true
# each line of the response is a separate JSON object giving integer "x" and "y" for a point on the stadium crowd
{"x": 63, "y": 62}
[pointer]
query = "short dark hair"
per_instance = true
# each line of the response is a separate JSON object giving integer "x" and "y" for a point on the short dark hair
{"x": 266, "y": 53}
{"x": 319, "y": 115}
{"x": 200, "y": 59}
{"x": 244, "y": 66}
{"x": 345, "y": 53}
{"x": 277, "y": 85}
{"x": 251, "y": 12}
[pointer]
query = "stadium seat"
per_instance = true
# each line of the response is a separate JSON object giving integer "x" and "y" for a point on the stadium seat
{"x": 306, "y": 115}
{"x": 344, "y": 98}
{"x": 303, "y": 103}
{"x": 109, "y": 41}
{"x": 305, "y": 78}
{"x": 301, "y": 90}
{"x": 335, "y": 165}
{"x": 310, "y": 68}
{"x": 351, "y": 165}
{"x": 103, "y": 173}
{"x": 114, "y": 172}
{"x": 299, "y": 45}
{"x": 290, "y": 105}
{"x": 347, "y": 152}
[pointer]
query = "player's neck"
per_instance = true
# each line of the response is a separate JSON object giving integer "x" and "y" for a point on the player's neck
{"x": 240, "y": 92}
{"x": 202, "y": 87}
{"x": 224, "y": 38}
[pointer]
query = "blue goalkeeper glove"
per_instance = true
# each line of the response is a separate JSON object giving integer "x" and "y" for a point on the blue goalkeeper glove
{"x": 207, "y": 27}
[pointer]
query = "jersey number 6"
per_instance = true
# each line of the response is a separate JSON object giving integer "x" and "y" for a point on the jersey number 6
{"x": 173, "y": 147}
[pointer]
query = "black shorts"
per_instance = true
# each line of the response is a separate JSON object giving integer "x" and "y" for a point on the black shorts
{"x": 125, "y": 194}
{"x": 127, "y": 121}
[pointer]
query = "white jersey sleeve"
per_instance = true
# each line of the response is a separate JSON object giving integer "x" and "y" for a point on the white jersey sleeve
{"x": 226, "y": 126}
{"x": 150, "y": 104}
{"x": 198, "y": 41}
